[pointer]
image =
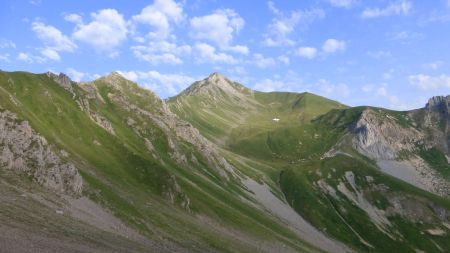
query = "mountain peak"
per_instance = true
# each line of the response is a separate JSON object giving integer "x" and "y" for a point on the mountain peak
{"x": 439, "y": 101}
{"x": 217, "y": 79}
{"x": 212, "y": 84}
{"x": 215, "y": 76}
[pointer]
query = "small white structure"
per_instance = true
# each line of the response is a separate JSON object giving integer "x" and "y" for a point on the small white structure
{"x": 276, "y": 119}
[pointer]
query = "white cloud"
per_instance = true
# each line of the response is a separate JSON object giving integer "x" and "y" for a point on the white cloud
{"x": 272, "y": 7}
{"x": 106, "y": 31}
{"x": 170, "y": 84}
{"x": 53, "y": 39}
{"x": 263, "y": 62}
{"x": 433, "y": 65}
{"x": 402, "y": 7}
{"x": 327, "y": 88}
{"x": 282, "y": 26}
{"x": 74, "y": 18}
{"x": 426, "y": 82}
{"x": 267, "y": 85}
{"x": 50, "y": 54}
{"x": 307, "y": 52}
{"x": 342, "y": 3}
{"x": 159, "y": 16}
{"x": 24, "y": 57}
{"x": 161, "y": 52}
{"x": 238, "y": 49}
{"x": 207, "y": 53}
{"x": 333, "y": 45}
{"x": 284, "y": 59}
{"x": 75, "y": 75}
{"x": 218, "y": 27}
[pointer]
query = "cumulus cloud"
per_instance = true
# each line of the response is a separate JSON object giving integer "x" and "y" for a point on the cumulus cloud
{"x": 25, "y": 57}
{"x": 327, "y": 88}
{"x": 157, "y": 52}
{"x": 76, "y": 75}
{"x": 402, "y": 7}
{"x": 207, "y": 53}
{"x": 263, "y": 62}
{"x": 50, "y": 54}
{"x": 170, "y": 84}
{"x": 284, "y": 59}
{"x": 218, "y": 27}
{"x": 238, "y": 49}
{"x": 74, "y": 18}
{"x": 53, "y": 39}
{"x": 283, "y": 25}
{"x": 160, "y": 15}
{"x": 307, "y": 52}
{"x": 426, "y": 82}
{"x": 106, "y": 31}
{"x": 342, "y": 3}
{"x": 333, "y": 45}
{"x": 267, "y": 85}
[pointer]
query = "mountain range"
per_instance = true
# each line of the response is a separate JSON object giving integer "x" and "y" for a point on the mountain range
{"x": 108, "y": 166}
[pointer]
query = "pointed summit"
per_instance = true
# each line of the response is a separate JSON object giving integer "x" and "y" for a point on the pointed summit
{"x": 215, "y": 84}
{"x": 215, "y": 76}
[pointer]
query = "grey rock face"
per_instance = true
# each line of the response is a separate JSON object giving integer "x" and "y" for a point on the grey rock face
{"x": 22, "y": 150}
{"x": 439, "y": 102}
{"x": 435, "y": 119}
{"x": 383, "y": 138}
{"x": 63, "y": 80}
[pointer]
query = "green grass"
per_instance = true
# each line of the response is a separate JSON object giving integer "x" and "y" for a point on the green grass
{"x": 121, "y": 173}
{"x": 437, "y": 160}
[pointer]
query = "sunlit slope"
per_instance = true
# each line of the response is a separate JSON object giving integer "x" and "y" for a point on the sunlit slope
{"x": 324, "y": 157}
{"x": 142, "y": 164}
{"x": 234, "y": 116}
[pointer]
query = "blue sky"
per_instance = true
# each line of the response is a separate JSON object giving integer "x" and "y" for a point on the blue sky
{"x": 394, "y": 54}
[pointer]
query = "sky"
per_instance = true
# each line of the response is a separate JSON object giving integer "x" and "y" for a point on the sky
{"x": 388, "y": 53}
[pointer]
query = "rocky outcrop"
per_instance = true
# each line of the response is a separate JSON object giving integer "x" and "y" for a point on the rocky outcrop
{"x": 102, "y": 122}
{"x": 380, "y": 137}
{"x": 23, "y": 151}
{"x": 439, "y": 103}
{"x": 435, "y": 119}
{"x": 63, "y": 80}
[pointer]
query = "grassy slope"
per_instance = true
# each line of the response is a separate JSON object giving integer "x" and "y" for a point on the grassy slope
{"x": 121, "y": 174}
{"x": 287, "y": 153}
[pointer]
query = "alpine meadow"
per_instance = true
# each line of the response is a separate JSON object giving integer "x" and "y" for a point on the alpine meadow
{"x": 224, "y": 126}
